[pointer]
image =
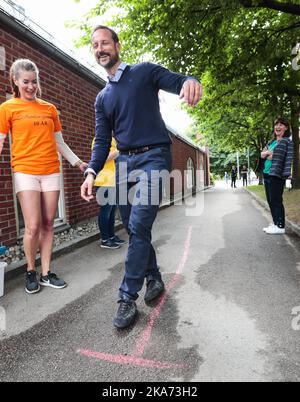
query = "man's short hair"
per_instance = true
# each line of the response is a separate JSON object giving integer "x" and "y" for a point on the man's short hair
{"x": 113, "y": 33}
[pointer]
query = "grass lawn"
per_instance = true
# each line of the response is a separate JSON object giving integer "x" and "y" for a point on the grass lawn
{"x": 291, "y": 201}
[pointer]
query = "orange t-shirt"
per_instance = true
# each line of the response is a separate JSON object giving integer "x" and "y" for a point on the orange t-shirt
{"x": 32, "y": 126}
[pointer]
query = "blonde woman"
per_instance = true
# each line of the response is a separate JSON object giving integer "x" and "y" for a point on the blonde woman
{"x": 36, "y": 139}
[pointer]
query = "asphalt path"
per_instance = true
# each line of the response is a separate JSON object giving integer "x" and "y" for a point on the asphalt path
{"x": 230, "y": 312}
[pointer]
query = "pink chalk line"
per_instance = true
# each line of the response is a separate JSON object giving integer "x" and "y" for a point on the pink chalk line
{"x": 130, "y": 360}
{"x": 146, "y": 335}
{"x": 136, "y": 357}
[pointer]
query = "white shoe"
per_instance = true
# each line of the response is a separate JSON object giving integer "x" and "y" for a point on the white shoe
{"x": 275, "y": 230}
{"x": 271, "y": 225}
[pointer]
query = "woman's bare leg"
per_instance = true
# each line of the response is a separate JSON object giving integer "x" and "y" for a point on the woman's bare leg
{"x": 30, "y": 202}
{"x": 49, "y": 202}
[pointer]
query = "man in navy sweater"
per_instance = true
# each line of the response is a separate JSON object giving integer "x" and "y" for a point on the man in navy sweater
{"x": 129, "y": 107}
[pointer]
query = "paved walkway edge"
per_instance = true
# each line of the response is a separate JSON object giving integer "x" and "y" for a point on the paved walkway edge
{"x": 16, "y": 268}
{"x": 290, "y": 225}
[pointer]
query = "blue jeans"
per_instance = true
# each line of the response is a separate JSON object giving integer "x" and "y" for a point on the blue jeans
{"x": 136, "y": 180}
{"x": 106, "y": 216}
{"x": 274, "y": 187}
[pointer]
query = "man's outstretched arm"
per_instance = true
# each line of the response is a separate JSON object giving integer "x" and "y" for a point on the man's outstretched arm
{"x": 188, "y": 88}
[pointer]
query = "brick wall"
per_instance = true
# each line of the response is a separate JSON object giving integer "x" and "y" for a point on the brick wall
{"x": 74, "y": 97}
{"x": 181, "y": 154}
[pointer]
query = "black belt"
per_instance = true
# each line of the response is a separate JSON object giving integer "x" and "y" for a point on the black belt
{"x": 141, "y": 150}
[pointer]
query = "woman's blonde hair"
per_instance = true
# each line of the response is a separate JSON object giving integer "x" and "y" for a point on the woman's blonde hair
{"x": 17, "y": 67}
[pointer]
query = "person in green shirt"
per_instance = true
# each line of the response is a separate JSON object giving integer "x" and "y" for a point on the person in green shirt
{"x": 277, "y": 168}
{"x": 269, "y": 152}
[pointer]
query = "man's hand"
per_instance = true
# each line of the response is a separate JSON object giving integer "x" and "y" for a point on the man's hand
{"x": 87, "y": 188}
{"x": 191, "y": 92}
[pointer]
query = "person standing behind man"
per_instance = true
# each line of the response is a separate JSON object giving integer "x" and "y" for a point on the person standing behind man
{"x": 129, "y": 106}
{"x": 106, "y": 198}
{"x": 278, "y": 155}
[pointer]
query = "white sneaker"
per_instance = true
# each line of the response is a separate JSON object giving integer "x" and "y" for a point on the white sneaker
{"x": 275, "y": 230}
{"x": 270, "y": 225}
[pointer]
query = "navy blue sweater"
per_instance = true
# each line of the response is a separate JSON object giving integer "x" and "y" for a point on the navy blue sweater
{"x": 130, "y": 108}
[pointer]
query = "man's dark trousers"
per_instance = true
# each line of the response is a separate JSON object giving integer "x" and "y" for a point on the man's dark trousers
{"x": 139, "y": 193}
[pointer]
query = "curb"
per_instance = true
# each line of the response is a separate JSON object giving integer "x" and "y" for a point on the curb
{"x": 16, "y": 268}
{"x": 290, "y": 225}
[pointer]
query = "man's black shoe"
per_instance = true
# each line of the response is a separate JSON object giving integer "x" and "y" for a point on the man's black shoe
{"x": 155, "y": 288}
{"x": 126, "y": 314}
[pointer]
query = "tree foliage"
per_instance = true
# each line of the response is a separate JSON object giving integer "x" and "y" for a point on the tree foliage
{"x": 240, "y": 49}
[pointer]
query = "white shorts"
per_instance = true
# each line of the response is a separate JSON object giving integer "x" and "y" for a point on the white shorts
{"x": 41, "y": 183}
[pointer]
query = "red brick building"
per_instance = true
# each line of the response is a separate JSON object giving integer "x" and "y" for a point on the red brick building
{"x": 72, "y": 88}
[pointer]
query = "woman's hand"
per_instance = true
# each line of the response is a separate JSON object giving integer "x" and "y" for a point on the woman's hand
{"x": 82, "y": 166}
{"x": 266, "y": 154}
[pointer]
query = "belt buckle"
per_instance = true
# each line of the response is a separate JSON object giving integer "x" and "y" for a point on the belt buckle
{"x": 143, "y": 149}
{"x": 138, "y": 150}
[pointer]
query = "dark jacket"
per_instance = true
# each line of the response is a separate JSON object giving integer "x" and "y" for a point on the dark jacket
{"x": 282, "y": 159}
